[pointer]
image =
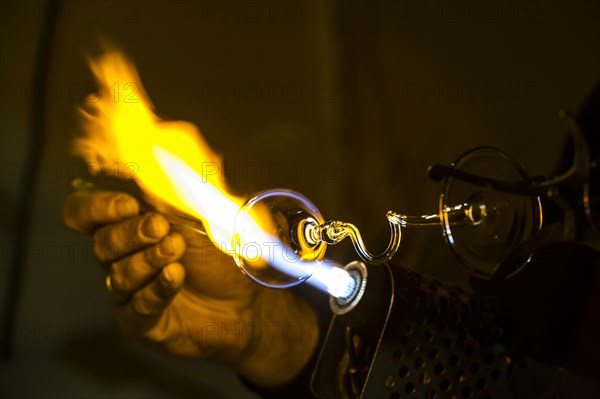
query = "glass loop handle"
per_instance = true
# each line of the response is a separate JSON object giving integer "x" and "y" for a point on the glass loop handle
{"x": 333, "y": 232}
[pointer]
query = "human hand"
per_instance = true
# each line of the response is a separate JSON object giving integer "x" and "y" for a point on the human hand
{"x": 175, "y": 288}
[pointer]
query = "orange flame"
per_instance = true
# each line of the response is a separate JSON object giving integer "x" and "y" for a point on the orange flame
{"x": 172, "y": 161}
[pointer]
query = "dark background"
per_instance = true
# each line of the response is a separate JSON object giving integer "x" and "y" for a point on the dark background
{"x": 346, "y": 102}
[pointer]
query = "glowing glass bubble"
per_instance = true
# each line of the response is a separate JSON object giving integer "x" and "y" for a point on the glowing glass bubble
{"x": 270, "y": 241}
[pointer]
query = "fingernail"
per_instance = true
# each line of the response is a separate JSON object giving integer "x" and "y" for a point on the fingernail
{"x": 166, "y": 275}
{"x": 154, "y": 226}
{"x": 166, "y": 247}
{"x": 126, "y": 206}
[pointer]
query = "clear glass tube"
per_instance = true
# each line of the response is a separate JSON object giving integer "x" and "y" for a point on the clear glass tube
{"x": 280, "y": 237}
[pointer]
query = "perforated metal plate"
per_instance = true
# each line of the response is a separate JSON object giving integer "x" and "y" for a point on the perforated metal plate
{"x": 440, "y": 342}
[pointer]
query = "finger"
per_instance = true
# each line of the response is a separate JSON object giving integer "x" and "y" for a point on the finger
{"x": 114, "y": 297}
{"x": 114, "y": 241}
{"x": 84, "y": 211}
{"x": 146, "y": 305}
{"x": 133, "y": 272}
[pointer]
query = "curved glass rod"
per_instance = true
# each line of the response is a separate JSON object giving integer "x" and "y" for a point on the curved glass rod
{"x": 333, "y": 232}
